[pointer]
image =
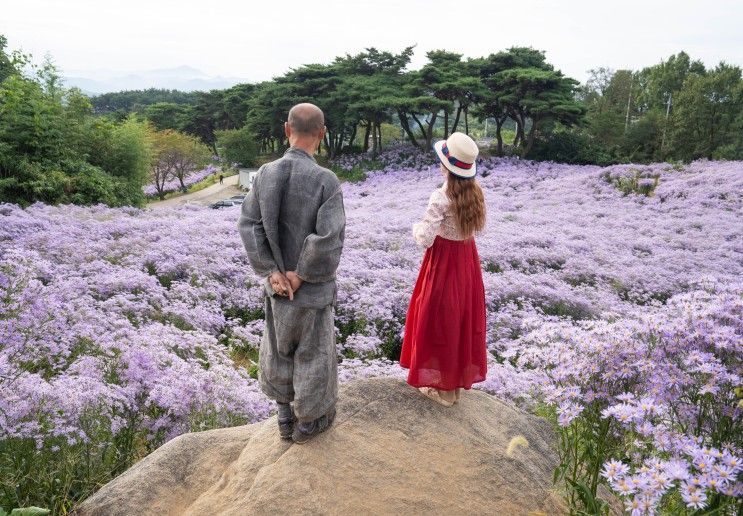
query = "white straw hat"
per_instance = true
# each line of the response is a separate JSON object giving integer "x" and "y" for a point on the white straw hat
{"x": 458, "y": 154}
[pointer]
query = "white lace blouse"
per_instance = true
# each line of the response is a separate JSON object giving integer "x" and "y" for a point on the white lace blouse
{"x": 438, "y": 220}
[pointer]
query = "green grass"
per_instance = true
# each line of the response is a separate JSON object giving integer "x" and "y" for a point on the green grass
{"x": 355, "y": 175}
{"x": 213, "y": 179}
{"x": 247, "y": 359}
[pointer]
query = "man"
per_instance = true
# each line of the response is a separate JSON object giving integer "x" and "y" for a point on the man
{"x": 293, "y": 225}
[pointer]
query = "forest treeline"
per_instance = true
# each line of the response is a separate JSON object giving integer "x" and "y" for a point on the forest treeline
{"x": 59, "y": 145}
{"x": 55, "y": 149}
{"x": 675, "y": 110}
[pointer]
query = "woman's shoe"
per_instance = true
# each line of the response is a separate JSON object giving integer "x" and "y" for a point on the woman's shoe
{"x": 432, "y": 393}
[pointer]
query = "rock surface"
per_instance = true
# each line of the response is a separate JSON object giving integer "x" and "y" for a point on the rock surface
{"x": 390, "y": 450}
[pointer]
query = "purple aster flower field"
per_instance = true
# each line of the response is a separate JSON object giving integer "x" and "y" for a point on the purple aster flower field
{"x": 174, "y": 184}
{"x": 614, "y": 303}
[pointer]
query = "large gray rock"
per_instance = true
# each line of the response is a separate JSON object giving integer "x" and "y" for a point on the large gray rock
{"x": 390, "y": 450}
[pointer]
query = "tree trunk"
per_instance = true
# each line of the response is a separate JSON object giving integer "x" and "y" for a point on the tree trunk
{"x": 431, "y": 123}
{"x": 367, "y": 130}
{"x": 446, "y": 124}
{"x": 629, "y": 102}
{"x": 406, "y": 127}
{"x": 353, "y": 135}
{"x": 338, "y": 142}
{"x": 498, "y": 135}
{"x": 520, "y": 123}
{"x": 423, "y": 130}
{"x": 530, "y": 139}
{"x": 711, "y": 141}
{"x": 326, "y": 142}
{"x": 456, "y": 119}
{"x": 466, "y": 121}
{"x": 519, "y": 138}
{"x": 374, "y": 139}
{"x": 521, "y": 130}
{"x": 160, "y": 184}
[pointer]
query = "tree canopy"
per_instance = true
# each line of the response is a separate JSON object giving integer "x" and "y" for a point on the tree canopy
{"x": 616, "y": 116}
{"x": 56, "y": 144}
{"x": 54, "y": 150}
{"x": 676, "y": 109}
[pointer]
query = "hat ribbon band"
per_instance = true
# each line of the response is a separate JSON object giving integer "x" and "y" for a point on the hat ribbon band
{"x": 454, "y": 161}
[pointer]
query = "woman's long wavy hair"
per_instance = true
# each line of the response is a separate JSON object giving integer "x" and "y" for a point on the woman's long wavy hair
{"x": 468, "y": 204}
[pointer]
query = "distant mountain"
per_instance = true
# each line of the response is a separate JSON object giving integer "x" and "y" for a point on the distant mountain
{"x": 184, "y": 78}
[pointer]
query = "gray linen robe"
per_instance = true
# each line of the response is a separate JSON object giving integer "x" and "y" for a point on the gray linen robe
{"x": 293, "y": 219}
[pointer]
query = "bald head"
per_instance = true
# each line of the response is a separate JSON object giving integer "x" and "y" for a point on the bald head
{"x": 306, "y": 119}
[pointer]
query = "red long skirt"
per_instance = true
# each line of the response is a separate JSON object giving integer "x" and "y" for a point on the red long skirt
{"x": 444, "y": 343}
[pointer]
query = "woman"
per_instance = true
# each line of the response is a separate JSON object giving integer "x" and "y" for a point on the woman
{"x": 444, "y": 343}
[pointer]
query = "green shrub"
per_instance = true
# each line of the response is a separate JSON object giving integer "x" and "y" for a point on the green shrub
{"x": 642, "y": 140}
{"x": 354, "y": 175}
{"x": 570, "y": 147}
{"x": 238, "y": 146}
{"x": 91, "y": 185}
{"x": 53, "y": 150}
{"x": 729, "y": 152}
{"x": 635, "y": 182}
{"x": 52, "y": 187}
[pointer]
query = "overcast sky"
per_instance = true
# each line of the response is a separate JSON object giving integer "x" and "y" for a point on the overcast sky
{"x": 259, "y": 40}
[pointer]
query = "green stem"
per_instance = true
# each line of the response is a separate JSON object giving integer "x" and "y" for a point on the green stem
{"x": 599, "y": 459}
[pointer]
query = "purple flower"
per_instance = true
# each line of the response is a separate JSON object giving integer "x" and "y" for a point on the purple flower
{"x": 693, "y": 497}
{"x": 567, "y": 412}
{"x": 677, "y": 470}
{"x": 614, "y": 470}
{"x": 630, "y": 307}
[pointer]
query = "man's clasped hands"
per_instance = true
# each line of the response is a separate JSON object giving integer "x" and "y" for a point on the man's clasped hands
{"x": 285, "y": 284}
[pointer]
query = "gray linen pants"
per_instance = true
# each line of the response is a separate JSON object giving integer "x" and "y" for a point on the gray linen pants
{"x": 297, "y": 358}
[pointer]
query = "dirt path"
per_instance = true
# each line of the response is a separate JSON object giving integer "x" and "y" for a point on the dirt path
{"x": 206, "y": 196}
